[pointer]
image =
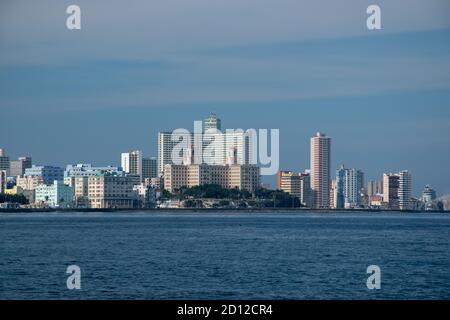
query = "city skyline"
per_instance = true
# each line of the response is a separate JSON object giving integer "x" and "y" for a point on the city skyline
{"x": 83, "y": 96}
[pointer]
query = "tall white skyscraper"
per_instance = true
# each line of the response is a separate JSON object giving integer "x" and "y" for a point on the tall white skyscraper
{"x": 132, "y": 163}
{"x": 320, "y": 170}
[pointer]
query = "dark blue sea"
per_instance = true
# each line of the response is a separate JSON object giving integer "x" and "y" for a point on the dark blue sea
{"x": 224, "y": 255}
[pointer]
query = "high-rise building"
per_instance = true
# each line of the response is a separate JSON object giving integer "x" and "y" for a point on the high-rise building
{"x": 4, "y": 162}
{"x": 2, "y": 181}
{"x": 149, "y": 168}
{"x": 215, "y": 146}
{"x": 428, "y": 194}
{"x": 297, "y": 185}
{"x": 132, "y": 163}
{"x": 405, "y": 190}
{"x": 17, "y": 167}
{"x": 212, "y": 122}
{"x": 339, "y": 188}
{"x": 48, "y": 173}
{"x": 391, "y": 190}
{"x": 348, "y": 188}
{"x": 320, "y": 170}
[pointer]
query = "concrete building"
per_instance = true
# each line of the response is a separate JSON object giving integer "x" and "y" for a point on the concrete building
{"x": 2, "y": 181}
{"x": 244, "y": 177}
{"x": 212, "y": 122}
{"x": 391, "y": 190}
{"x": 348, "y": 188}
{"x": 149, "y": 168}
{"x": 86, "y": 170}
{"x": 48, "y": 173}
{"x": 111, "y": 191}
{"x": 374, "y": 188}
{"x": 320, "y": 170}
{"x": 29, "y": 182}
{"x": 55, "y": 195}
{"x": 17, "y": 167}
{"x": 4, "y": 162}
{"x": 297, "y": 185}
{"x": 428, "y": 194}
{"x": 405, "y": 190}
{"x": 29, "y": 194}
{"x": 132, "y": 163}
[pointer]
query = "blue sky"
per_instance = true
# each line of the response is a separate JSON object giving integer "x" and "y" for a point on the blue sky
{"x": 87, "y": 95}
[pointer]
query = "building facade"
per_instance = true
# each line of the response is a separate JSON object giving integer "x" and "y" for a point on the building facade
{"x": 132, "y": 163}
{"x": 111, "y": 191}
{"x": 405, "y": 190}
{"x": 3, "y": 181}
{"x": 149, "y": 168}
{"x": 244, "y": 177}
{"x": 297, "y": 185}
{"x": 48, "y": 173}
{"x": 17, "y": 167}
{"x": 320, "y": 170}
{"x": 55, "y": 195}
{"x": 391, "y": 190}
{"x": 4, "y": 162}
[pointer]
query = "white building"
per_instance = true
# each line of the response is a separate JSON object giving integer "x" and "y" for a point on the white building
{"x": 132, "y": 163}
{"x": 55, "y": 195}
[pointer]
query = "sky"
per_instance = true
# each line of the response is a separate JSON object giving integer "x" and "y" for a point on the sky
{"x": 139, "y": 67}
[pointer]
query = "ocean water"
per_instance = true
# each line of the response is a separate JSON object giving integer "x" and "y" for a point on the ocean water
{"x": 224, "y": 255}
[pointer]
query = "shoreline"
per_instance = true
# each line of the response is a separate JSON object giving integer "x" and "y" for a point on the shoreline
{"x": 206, "y": 210}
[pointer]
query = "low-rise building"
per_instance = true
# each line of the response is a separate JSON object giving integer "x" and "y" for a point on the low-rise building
{"x": 55, "y": 195}
{"x": 48, "y": 173}
{"x": 244, "y": 177}
{"x": 111, "y": 191}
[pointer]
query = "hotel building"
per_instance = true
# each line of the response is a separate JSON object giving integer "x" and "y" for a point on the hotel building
{"x": 244, "y": 177}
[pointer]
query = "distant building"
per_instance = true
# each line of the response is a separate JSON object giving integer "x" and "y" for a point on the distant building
{"x": 29, "y": 182}
{"x": 17, "y": 167}
{"x": 48, "y": 173}
{"x": 405, "y": 191}
{"x": 215, "y": 144}
{"x": 4, "y": 162}
{"x": 374, "y": 188}
{"x": 29, "y": 194}
{"x": 149, "y": 168}
{"x": 2, "y": 181}
{"x": 111, "y": 191}
{"x": 86, "y": 170}
{"x": 348, "y": 188}
{"x": 428, "y": 194}
{"x": 212, "y": 122}
{"x": 55, "y": 195}
{"x": 244, "y": 177}
{"x": 391, "y": 190}
{"x": 132, "y": 163}
{"x": 320, "y": 170}
{"x": 146, "y": 196}
{"x": 297, "y": 185}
